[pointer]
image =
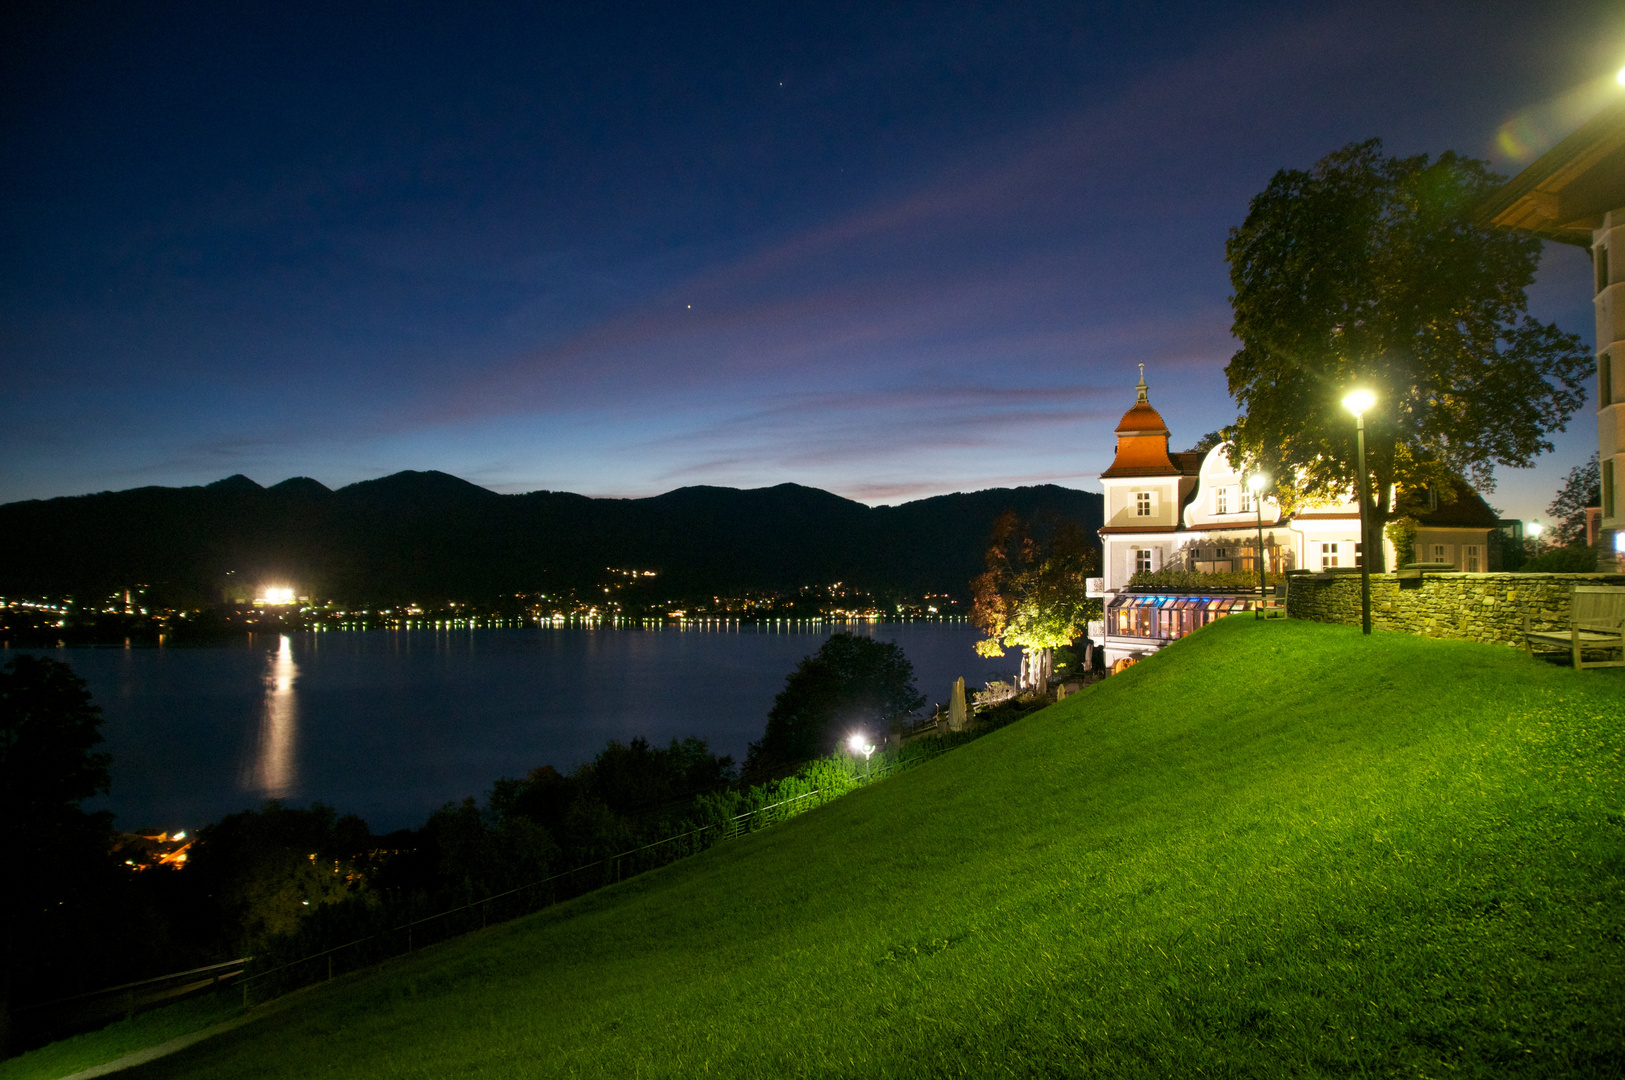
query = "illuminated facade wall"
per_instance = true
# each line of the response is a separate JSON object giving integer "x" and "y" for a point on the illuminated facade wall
{"x": 1609, "y": 301}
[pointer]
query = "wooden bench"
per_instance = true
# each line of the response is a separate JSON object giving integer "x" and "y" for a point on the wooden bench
{"x": 1596, "y": 624}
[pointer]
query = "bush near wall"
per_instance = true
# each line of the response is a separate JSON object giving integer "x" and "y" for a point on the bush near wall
{"x": 1472, "y": 607}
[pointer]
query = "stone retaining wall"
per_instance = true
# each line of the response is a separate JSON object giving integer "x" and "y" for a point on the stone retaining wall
{"x": 1475, "y": 607}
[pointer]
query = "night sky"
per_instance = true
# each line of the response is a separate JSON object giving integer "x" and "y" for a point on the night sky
{"x": 886, "y": 250}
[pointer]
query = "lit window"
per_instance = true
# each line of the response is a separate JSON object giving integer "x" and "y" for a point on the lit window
{"x": 1328, "y": 556}
{"x": 1142, "y": 504}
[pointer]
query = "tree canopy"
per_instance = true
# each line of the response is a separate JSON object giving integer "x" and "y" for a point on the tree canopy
{"x": 48, "y": 727}
{"x": 1369, "y": 271}
{"x": 1032, "y": 594}
{"x": 851, "y": 684}
{"x": 53, "y": 908}
{"x": 1582, "y": 488}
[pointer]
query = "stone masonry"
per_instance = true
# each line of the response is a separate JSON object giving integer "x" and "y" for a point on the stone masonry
{"x": 1474, "y": 607}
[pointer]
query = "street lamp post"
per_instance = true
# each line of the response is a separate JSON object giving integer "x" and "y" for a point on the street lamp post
{"x": 860, "y": 745}
{"x": 1357, "y": 402}
{"x": 1256, "y": 482}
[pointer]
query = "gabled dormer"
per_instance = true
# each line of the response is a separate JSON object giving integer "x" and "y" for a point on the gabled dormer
{"x": 1222, "y": 498}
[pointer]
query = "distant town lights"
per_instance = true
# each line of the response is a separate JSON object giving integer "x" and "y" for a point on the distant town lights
{"x": 277, "y": 596}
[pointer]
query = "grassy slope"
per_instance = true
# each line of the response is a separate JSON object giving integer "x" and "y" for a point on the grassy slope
{"x": 1276, "y": 849}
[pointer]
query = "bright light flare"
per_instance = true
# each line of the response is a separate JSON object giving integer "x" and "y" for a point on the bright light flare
{"x": 1359, "y": 402}
{"x": 277, "y": 595}
{"x": 858, "y": 744}
{"x": 1535, "y": 528}
{"x": 1257, "y": 482}
{"x": 1620, "y": 78}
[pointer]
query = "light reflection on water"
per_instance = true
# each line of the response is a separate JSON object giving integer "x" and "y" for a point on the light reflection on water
{"x": 391, "y": 724}
{"x": 276, "y": 765}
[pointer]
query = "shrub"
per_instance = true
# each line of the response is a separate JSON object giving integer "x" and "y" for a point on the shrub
{"x": 1576, "y": 559}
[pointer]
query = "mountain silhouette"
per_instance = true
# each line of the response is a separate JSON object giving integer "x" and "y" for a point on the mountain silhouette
{"x": 430, "y": 537}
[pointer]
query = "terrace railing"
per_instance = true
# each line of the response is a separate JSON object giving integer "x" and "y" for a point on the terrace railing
{"x": 84, "y": 1012}
{"x": 534, "y": 896}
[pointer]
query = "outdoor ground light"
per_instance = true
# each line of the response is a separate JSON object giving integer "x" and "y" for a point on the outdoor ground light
{"x": 1359, "y": 402}
{"x": 1256, "y": 483}
{"x": 859, "y": 744}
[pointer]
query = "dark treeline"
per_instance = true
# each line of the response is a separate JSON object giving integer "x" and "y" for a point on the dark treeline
{"x": 428, "y": 538}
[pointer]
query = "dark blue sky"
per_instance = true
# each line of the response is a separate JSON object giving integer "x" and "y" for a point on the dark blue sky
{"x": 888, "y": 250}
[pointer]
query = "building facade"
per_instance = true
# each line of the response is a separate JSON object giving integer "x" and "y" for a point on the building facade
{"x": 1575, "y": 194}
{"x": 1193, "y": 511}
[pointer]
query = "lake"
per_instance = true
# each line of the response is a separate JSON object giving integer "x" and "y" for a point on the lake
{"x": 391, "y": 724}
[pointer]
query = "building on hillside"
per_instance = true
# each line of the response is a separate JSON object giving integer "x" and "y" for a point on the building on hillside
{"x": 1193, "y": 511}
{"x": 1575, "y": 194}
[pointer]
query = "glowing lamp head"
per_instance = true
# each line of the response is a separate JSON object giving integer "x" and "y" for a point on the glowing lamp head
{"x": 1536, "y": 528}
{"x": 1257, "y": 482}
{"x": 1621, "y": 77}
{"x": 1359, "y": 402}
{"x": 860, "y": 745}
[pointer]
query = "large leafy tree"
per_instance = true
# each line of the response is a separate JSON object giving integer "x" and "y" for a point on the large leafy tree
{"x": 1032, "y": 595}
{"x": 1368, "y": 270}
{"x": 1581, "y": 489}
{"x": 851, "y": 684}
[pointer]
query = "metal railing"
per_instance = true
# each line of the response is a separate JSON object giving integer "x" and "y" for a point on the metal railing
{"x": 536, "y": 895}
{"x": 82, "y": 1012}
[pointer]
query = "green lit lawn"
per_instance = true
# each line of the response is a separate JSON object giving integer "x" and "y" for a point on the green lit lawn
{"x": 1277, "y": 849}
{"x": 99, "y": 1047}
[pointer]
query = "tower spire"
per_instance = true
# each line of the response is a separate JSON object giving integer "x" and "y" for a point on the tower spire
{"x": 1140, "y": 389}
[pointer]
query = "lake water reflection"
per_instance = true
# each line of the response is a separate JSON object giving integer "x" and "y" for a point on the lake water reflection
{"x": 274, "y": 767}
{"x": 391, "y": 724}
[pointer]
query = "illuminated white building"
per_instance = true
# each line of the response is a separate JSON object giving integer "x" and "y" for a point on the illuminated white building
{"x": 1193, "y": 511}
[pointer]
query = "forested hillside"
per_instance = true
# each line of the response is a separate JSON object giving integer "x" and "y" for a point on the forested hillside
{"x": 428, "y": 537}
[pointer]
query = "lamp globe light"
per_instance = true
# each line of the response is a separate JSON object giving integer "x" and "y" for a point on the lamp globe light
{"x": 1359, "y": 402}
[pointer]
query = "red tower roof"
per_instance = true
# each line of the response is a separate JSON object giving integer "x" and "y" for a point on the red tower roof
{"x": 1142, "y": 420}
{"x": 1142, "y": 440}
